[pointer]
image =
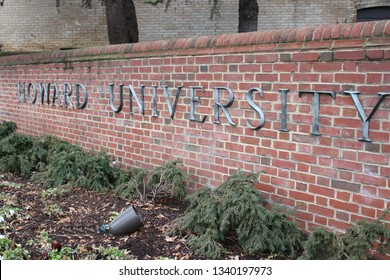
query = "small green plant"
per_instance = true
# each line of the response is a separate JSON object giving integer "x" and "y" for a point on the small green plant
{"x": 6, "y": 199}
{"x": 54, "y": 192}
{"x": 18, "y": 253}
{"x": 65, "y": 253}
{"x": 161, "y": 258}
{"x": 114, "y": 253}
{"x": 237, "y": 212}
{"x": 357, "y": 243}
{"x": 6, "y": 244}
{"x": 53, "y": 210}
{"x": 43, "y": 242}
{"x": 9, "y": 211}
{"x": 13, "y": 185}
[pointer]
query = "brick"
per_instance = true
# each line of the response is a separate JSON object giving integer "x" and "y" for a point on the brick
{"x": 303, "y": 177}
{"x": 328, "y": 192}
{"x": 374, "y": 54}
{"x": 347, "y": 165}
{"x": 266, "y": 58}
{"x": 342, "y": 205}
{"x": 283, "y": 164}
{"x": 286, "y": 67}
{"x": 343, "y": 185}
{"x": 304, "y": 158}
{"x": 327, "y": 67}
{"x": 306, "y": 56}
{"x": 369, "y": 201}
{"x": 349, "y": 55}
{"x": 350, "y": 78}
{"x": 285, "y": 57}
{"x": 323, "y": 211}
{"x": 339, "y": 224}
{"x": 301, "y": 196}
{"x": 375, "y": 66}
{"x": 312, "y": 77}
{"x": 373, "y": 158}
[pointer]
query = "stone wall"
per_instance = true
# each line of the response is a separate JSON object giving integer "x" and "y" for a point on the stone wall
{"x": 283, "y": 103}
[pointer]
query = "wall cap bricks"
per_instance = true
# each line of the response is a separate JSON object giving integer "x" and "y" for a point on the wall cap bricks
{"x": 368, "y": 33}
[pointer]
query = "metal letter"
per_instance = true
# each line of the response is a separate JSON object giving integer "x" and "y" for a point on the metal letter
{"x": 283, "y": 126}
{"x": 316, "y": 108}
{"x": 44, "y": 92}
{"x": 113, "y": 108}
{"x": 68, "y": 94}
{"x": 139, "y": 103}
{"x": 171, "y": 108}
{"x": 32, "y": 100}
{"x": 362, "y": 114}
{"x": 85, "y": 96}
{"x": 154, "y": 112}
{"x": 222, "y": 106}
{"x": 22, "y": 92}
{"x": 193, "y": 100}
{"x": 56, "y": 95}
{"x": 248, "y": 97}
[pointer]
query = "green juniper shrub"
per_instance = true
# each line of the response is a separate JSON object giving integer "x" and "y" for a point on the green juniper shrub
{"x": 57, "y": 147}
{"x": 205, "y": 245}
{"x": 65, "y": 168}
{"x": 7, "y": 128}
{"x": 13, "y": 154}
{"x": 131, "y": 184}
{"x": 35, "y": 158}
{"x": 168, "y": 179}
{"x": 98, "y": 174}
{"x": 237, "y": 211}
{"x": 68, "y": 165}
{"x": 321, "y": 245}
{"x": 357, "y": 243}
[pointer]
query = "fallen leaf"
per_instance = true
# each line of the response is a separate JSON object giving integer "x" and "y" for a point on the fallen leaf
{"x": 64, "y": 220}
{"x": 170, "y": 239}
{"x": 161, "y": 216}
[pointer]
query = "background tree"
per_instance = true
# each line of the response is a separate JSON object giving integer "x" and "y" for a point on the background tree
{"x": 248, "y": 13}
{"x": 122, "y": 23}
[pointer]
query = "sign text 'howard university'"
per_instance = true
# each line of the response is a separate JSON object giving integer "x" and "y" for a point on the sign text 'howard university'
{"x": 63, "y": 98}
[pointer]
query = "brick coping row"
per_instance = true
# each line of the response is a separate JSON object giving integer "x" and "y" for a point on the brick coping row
{"x": 360, "y": 34}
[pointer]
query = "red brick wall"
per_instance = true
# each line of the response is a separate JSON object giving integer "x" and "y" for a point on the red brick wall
{"x": 332, "y": 179}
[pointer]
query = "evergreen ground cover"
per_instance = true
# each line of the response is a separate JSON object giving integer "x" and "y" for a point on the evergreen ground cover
{"x": 56, "y": 193}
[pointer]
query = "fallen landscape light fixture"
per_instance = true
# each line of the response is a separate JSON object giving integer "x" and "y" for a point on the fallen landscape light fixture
{"x": 127, "y": 222}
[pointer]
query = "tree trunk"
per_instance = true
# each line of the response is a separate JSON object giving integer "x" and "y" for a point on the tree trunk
{"x": 248, "y": 12}
{"x": 121, "y": 22}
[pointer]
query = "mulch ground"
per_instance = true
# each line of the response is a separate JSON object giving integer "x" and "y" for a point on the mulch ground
{"x": 82, "y": 212}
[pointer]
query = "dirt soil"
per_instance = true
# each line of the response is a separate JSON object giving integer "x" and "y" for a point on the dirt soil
{"x": 82, "y": 212}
